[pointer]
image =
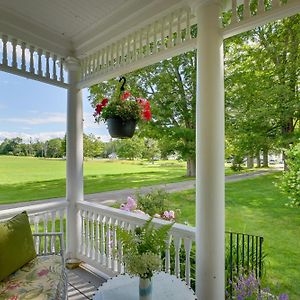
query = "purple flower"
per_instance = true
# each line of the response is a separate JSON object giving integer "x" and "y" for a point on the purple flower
{"x": 283, "y": 297}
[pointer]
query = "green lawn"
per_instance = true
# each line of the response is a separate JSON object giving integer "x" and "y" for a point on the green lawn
{"x": 255, "y": 206}
{"x": 26, "y": 178}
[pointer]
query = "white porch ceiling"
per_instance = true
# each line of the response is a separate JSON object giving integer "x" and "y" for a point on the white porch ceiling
{"x": 76, "y": 27}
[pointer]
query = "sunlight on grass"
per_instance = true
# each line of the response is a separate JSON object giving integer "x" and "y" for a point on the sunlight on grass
{"x": 255, "y": 206}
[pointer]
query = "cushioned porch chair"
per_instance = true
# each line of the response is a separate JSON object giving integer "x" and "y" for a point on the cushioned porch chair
{"x": 37, "y": 274}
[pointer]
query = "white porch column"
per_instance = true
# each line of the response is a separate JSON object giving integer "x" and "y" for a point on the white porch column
{"x": 74, "y": 157}
{"x": 210, "y": 206}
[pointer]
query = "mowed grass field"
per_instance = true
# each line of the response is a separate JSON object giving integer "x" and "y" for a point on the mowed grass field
{"x": 255, "y": 206}
{"x": 28, "y": 178}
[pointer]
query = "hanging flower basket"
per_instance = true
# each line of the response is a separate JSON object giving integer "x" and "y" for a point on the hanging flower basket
{"x": 122, "y": 112}
{"x": 119, "y": 128}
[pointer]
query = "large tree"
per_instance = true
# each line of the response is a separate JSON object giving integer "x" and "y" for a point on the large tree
{"x": 262, "y": 87}
{"x": 171, "y": 88}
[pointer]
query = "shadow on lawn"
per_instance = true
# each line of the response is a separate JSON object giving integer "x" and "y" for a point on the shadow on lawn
{"x": 10, "y": 193}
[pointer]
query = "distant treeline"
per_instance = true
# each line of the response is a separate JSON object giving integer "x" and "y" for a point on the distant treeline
{"x": 135, "y": 148}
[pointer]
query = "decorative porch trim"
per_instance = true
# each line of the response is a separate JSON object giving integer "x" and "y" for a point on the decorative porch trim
{"x": 167, "y": 36}
{"x": 173, "y": 34}
{"x": 244, "y": 15}
{"x": 31, "y": 62}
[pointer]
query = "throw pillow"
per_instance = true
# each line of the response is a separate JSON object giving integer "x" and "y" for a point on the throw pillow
{"x": 16, "y": 244}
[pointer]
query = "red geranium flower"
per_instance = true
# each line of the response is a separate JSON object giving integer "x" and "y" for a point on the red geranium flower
{"x": 147, "y": 115}
{"x": 104, "y": 102}
{"x": 125, "y": 95}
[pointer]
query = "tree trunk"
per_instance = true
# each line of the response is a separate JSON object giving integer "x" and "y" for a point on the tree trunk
{"x": 191, "y": 167}
{"x": 249, "y": 162}
{"x": 258, "y": 164}
{"x": 265, "y": 158}
{"x": 285, "y": 165}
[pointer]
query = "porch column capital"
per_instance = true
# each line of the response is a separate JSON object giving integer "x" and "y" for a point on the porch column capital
{"x": 195, "y": 5}
{"x": 72, "y": 63}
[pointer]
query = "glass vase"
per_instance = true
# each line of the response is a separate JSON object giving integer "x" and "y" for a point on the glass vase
{"x": 145, "y": 288}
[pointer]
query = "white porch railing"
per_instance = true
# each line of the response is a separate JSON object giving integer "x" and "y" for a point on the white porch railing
{"x": 30, "y": 61}
{"x": 100, "y": 247}
{"x": 46, "y": 217}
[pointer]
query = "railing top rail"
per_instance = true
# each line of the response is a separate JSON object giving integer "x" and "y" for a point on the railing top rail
{"x": 177, "y": 229}
{"x": 242, "y": 233}
{"x": 33, "y": 209}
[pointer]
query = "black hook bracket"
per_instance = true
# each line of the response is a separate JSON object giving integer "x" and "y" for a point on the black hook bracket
{"x": 122, "y": 88}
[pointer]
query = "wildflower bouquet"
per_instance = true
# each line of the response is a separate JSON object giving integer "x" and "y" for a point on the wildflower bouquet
{"x": 142, "y": 248}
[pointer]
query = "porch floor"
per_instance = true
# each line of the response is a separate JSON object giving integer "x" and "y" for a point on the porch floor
{"x": 82, "y": 284}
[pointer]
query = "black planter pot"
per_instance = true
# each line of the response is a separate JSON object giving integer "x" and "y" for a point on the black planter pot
{"x": 118, "y": 128}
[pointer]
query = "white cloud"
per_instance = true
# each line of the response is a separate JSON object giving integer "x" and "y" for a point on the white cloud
{"x": 89, "y": 122}
{"x": 44, "y": 118}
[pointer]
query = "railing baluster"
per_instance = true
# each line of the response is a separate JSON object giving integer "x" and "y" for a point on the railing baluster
{"x": 92, "y": 238}
{"x": 234, "y": 16}
{"x": 162, "y": 35}
{"x": 23, "y": 65}
{"x": 178, "y": 35}
{"x": 31, "y": 61}
{"x": 147, "y": 41}
{"x": 256, "y": 256}
{"x": 120, "y": 249}
{"x": 97, "y": 250}
{"x": 114, "y": 224}
{"x": 14, "y": 53}
{"x": 260, "y": 6}
{"x": 83, "y": 248}
{"x": 108, "y": 241}
{"x": 248, "y": 253}
{"x": 247, "y": 12}
{"x": 54, "y": 67}
{"x": 243, "y": 251}
{"x": 102, "y": 243}
{"x": 252, "y": 255}
{"x": 40, "y": 53}
{"x": 141, "y": 44}
{"x": 237, "y": 253}
{"x": 134, "y": 54}
{"x": 52, "y": 241}
{"x": 170, "y": 37}
{"x": 187, "y": 247}
{"x": 155, "y": 37}
{"x": 47, "y": 65}
{"x": 36, "y": 230}
{"x": 168, "y": 257}
{"x": 275, "y": 3}
{"x": 261, "y": 239}
{"x": 87, "y": 232}
{"x": 61, "y": 64}
{"x": 4, "y": 50}
{"x": 45, "y": 231}
{"x": 128, "y": 50}
{"x": 188, "y": 24}
{"x": 177, "y": 244}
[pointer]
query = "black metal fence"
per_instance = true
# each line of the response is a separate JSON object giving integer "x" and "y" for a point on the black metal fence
{"x": 244, "y": 255}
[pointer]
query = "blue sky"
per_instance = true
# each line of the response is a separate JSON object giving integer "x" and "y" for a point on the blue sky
{"x": 31, "y": 109}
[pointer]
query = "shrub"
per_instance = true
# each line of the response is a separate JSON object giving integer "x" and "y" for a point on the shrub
{"x": 290, "y": 181}
{"x": 153, "y": 202}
